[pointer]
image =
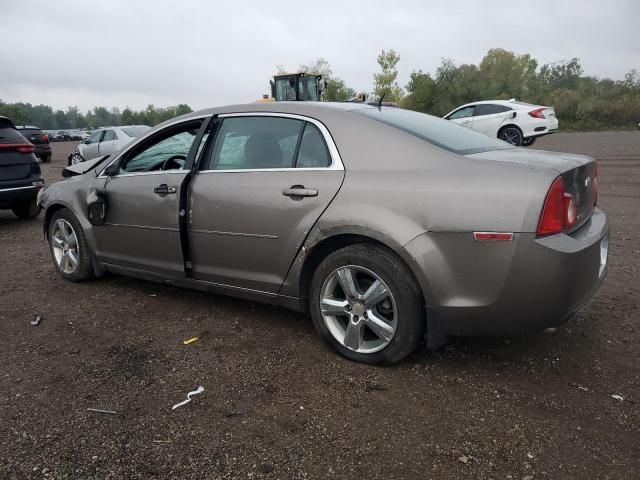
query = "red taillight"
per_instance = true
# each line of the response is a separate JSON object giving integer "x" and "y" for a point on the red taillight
{"x": 19, "y": 147}
{"x": 537, "y": 113}
{"x": 558, "y": 212}
{"x": 45, "y": 138}
{"x": 596, "y": 185}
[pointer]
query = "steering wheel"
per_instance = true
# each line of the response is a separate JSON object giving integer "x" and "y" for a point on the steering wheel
{"x": 175, "y": 162}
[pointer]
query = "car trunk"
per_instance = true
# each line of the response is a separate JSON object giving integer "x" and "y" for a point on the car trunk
{"x": 578, "y": 173}
{"x": 14, "y": 165}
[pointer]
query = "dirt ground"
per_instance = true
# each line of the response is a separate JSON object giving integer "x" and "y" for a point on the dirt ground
{"x": 279, "y": 404}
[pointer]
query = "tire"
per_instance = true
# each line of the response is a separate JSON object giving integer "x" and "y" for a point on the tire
{"x": 46, "y": 158}
{"x": 26, "y": 210}
{"x": 527, "y": 142}
{"x": 74, "y": 159}
{"x": 400, "y": 311}
{"x": 62, "y": 225}
{"x": 511, "y": 134}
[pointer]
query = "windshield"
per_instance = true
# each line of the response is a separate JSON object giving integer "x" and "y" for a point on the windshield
{"x": 439, "y": 132}
{"x": 135, "y": 132}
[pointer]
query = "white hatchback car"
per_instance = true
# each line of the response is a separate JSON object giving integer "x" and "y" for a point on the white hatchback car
{"x": 105, "y": 141}
{"x": 515, "y": 122}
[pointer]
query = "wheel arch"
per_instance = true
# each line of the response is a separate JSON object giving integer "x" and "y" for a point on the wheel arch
{"x": 48, "y": 215}
{"x": 508, "y": 126}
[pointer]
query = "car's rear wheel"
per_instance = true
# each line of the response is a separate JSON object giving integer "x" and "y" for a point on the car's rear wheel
{"x": 26, "y": 210}
{"x": 511, "y": 135}
{"x": 527, "y": 142}
{"x": 45, "y": 158}
{"x": 365, "y": 303}
{"x": 69, "y": 248}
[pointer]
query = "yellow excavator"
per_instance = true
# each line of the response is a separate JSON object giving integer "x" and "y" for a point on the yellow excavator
{"x": 295, "y": 87}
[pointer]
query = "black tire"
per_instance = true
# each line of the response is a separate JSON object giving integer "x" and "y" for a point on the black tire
{"x": 410, "y": 315}
{"x": 511, "y": 134}
{"x": 26, "y": 210}
{"x": 527, "y": 142}
{"x": 84, "y": 270}
{"x": 46, "y": 158}
{"x": 70, "y": 157}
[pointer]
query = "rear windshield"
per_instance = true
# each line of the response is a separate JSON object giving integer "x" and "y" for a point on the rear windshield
{"x": 441, "y": 133}
{"x": 7, "y": 130}
{"x": 135, "y": 132}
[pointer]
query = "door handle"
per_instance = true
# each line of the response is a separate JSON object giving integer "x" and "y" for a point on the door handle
{"x": 299, "y": 191}
{"x": 164, "y": 190}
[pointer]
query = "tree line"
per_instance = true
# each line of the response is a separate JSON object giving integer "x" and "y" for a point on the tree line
{"x": 582, "y": 102}
{"x": 45, "y": 117}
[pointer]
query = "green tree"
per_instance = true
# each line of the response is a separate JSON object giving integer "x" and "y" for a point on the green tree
{"x": 421, "y": 91}
{"x": 385, "y": 83}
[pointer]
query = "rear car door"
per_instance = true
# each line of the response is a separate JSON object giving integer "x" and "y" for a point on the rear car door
{"x": 108, "y": 144}
{"x": 462, "y": 116}
{"x": 90, "y": 149}
{"x": 263, "y": 184}
{"x": 141, "y": 229}
{"x": 489, "y": 117}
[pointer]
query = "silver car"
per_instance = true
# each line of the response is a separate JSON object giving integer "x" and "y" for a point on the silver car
{"x": 384, "y": 224}
{"x": 105, "y": 141}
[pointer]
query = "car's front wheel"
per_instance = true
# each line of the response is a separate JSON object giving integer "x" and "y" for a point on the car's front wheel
{"x": 75, "y": 159}
{"x": 365, "y": 303}
{"x": 69, "y": 248}
{"x": 511, "y": 135}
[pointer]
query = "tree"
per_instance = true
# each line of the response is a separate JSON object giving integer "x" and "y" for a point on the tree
{"x": 421, "y": 91}
{"x": 385, "y": 82}
{"x": 335, "y": 88}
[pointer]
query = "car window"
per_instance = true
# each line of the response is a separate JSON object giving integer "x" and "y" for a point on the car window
{"x": 109, "y": 135}
{"x": 462, "y": 113}
{"x": 489, "y": 109}
{"x": 95, "y": 137}
{"x": 437, "y": 131}
{"x": 313, "y": 152}
{"x": 167, "y": 150}
{"x": 255, "y": 143}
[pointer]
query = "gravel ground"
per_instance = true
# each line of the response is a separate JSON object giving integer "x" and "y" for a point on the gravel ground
{"x": 278, "y": 404}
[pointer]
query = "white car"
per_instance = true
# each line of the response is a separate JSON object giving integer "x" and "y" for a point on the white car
{"x": 515, "y": 122}
{"x": 105, "y": 141}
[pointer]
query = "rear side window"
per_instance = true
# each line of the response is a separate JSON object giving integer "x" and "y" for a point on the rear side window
{"x": 313, "y": 152}
{"x": 441, "y": 133}
{"x": 109, "y": 135}
{"x": 489, "y": 109}
{"x": 244, "y": 143}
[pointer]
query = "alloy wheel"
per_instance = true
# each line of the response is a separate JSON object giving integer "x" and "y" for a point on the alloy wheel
{"x": 511, "y": 135}
{"x": 66, "y": 250}
{"x": 76, "y": 158}
{"x": 359, "y": 309}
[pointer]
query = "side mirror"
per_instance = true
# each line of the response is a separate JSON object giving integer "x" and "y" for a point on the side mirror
{"x": 86, "y": 140}
{"x": 112, "y": 170}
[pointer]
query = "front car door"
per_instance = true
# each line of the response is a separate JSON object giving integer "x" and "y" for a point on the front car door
{"x": 263, "y": 184}
{"x": 90, "y": 149}
{"x": 108, "y": 144}
{"x": 462, "y": 116}
{"x": 141, "y": 230}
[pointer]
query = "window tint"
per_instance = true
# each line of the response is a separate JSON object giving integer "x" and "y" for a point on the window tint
{"x": 437, "y": 131}
{"x": 109, "y": 135}
{"x": 462, "y": 113}
{"x": 255, "y": 142}
{"x": 489, "y": 109}
{"x": 166, "y": 151}
{"x": 95, "y": 137}
{"x": 313, "y": 151}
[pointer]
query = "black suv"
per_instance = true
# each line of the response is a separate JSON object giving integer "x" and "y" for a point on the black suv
{"x": 40, "y": 141}
{"x": 20, "y": 176}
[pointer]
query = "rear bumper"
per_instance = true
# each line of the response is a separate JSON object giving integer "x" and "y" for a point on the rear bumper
{"x": 540, "y": 128}
{"x": 10, "y": 196}
{"x": 509, "y": 288}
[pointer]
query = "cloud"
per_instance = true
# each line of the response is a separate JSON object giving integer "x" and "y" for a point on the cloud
{"x": 203, "y": 53}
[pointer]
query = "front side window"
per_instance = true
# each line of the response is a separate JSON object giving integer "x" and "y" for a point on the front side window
{"x": 462, "y": 113}
{"x": 255, "y": 143}
{"x": 167, "y": 150}
{"x": 95, "y": 137}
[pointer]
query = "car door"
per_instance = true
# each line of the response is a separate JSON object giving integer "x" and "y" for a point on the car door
{"x": 263, "y": 184}
{"x": 488, "y": 118}
{"x": 108, "y": 144}
{"x": 141, "y": 229}
{"x": 462, "y": 116}
{"x": 90, "y": 149}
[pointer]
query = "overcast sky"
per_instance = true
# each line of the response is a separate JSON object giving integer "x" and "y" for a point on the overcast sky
{"x": 207, "y": 53}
